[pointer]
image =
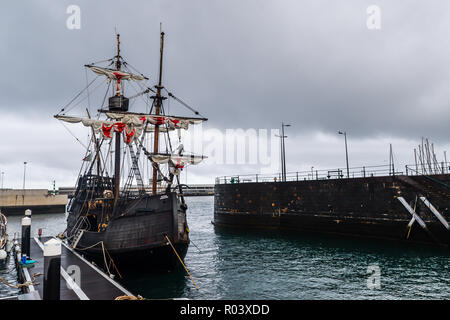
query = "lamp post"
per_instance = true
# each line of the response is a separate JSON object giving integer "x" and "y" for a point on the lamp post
{"x": 283, "y": 151}
{"x": 284, "y": 147}
{"x": 346, "y": 151}
{"x": 3, "y": 176}
{"x": 23, "y": 189}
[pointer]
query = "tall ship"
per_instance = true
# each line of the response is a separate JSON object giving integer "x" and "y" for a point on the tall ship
{"x": 118, "y": 215}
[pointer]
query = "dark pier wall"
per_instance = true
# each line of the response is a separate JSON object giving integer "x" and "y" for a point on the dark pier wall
{"x": 37, "y": 209}
{"x": 16, "y": 201}
{"x": 365, "y": 207}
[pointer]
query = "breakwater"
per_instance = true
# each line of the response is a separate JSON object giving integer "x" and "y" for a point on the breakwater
{"x": 16, "y": 201}
{"x": 364, "y": 207}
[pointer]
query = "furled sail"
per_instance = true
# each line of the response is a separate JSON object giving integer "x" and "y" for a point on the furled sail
{"x": 131, "y": 126}
{"x": 117, "y": 75}
{"x": 132, "y": 123}
{"x": 177, "y": 161}
{"x": 172, "y": 122}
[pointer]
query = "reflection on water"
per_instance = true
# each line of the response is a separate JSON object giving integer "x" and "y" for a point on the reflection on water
{"x": 273, "y": 265}
{"x": 8, "y": 273}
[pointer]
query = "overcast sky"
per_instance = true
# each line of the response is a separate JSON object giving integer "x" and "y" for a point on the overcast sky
{"x": 243, "y": 64}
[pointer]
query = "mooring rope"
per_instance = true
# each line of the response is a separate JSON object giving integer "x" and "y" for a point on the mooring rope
{"x": 129, "y": 298}
{"x": 176, "y": 253}
{"x": 104, "y": 257}
{"x": 25, "y": 284}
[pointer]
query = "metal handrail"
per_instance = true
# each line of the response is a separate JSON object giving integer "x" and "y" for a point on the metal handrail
{"x": 337, "y": 173}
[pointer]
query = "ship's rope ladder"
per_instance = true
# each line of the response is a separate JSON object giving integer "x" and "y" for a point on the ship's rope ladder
{"x": 135, "y": 170}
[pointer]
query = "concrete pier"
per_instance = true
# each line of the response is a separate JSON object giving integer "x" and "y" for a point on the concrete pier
{"x": 16, "y": 201}
{"x": 79, "y": 278}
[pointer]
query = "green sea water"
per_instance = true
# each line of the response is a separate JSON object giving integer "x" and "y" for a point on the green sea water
{"x": 272, "y": 265}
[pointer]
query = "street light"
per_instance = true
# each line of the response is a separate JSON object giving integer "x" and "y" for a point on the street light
{"x": 346, "y": 151}
{"x": 283, "y": 151}
{"x": 23, "y": 192}
{"x": 284, "y": 147}
{"x": 3, "y": 176}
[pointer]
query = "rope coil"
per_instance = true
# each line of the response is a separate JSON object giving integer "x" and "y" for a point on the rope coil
{"x": 130, "y": 298}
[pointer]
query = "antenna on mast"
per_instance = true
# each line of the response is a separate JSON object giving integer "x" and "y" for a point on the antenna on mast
{"x": 118, "y": 102}
{"x": 118, "y": 63}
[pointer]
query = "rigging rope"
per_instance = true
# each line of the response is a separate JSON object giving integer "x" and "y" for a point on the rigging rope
{"x": 82, "y": 100}
{"x": 93, "y": 63}
{"x": 182, "y": 102}
{"x": 74, "y": 136}
{"x": 87, "y": 90}
{"x": 104, "y": 257}
{"x": 76, "y": 96}
{"x": 125, "y": 64}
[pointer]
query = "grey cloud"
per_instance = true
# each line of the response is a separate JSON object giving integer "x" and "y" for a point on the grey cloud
{"x": 247, "y": 63}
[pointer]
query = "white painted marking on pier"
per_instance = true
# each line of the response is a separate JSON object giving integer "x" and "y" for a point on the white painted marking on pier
{"x": 118, "y": 286}
{"x": 70, "y": 283}
{"x": 28, "y": 278}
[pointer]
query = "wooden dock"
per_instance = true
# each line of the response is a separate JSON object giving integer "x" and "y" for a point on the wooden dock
{"x": 90, "y": 282}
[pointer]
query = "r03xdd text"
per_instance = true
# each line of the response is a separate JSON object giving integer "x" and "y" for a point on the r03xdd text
{"x": 244, "y": 309}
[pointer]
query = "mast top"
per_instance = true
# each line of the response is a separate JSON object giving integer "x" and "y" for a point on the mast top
{"x": 161, "y": 61}
{"x": 118, "y": 63}
{"x": 118, "y": 102}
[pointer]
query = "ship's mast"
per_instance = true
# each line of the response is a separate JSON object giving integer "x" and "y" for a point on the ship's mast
{"x": 117, "y": 147}
{"x": 158, "y": 102}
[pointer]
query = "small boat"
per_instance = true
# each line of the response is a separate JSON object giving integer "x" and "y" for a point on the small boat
{"x": 4, "y": 241}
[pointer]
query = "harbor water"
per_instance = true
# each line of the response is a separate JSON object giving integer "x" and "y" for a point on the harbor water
{"x": 271, "y": 265}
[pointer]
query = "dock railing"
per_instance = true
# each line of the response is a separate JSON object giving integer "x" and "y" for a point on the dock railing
{"x": 340, "y": 173}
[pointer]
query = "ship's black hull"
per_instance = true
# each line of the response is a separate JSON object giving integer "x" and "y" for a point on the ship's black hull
{"x": 362, "y": 207}
{"x": 137, "y": 236}
{"x": 151, "y": 258}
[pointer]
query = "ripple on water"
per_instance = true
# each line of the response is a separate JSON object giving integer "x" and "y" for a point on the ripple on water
{"x": 270, "y": 265}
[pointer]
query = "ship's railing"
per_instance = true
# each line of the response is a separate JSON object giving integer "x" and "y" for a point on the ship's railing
{"x": 339, "y": 173}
